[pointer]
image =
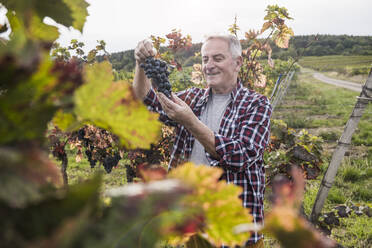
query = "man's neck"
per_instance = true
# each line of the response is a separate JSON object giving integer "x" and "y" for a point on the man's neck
{"x": 225, "y": 90}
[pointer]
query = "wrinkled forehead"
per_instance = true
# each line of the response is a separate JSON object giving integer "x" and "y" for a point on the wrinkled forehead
{"x": 215, "y": 46}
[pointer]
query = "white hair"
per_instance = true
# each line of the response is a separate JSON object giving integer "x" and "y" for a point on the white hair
{"x": 232, "y": 41}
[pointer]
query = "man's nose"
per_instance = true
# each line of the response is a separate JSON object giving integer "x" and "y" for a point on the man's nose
{"x": 209, "y": 65}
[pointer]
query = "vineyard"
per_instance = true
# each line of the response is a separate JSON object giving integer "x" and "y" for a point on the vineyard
{"x": 323, "y": 110}
{"x": 354, "y": 68}
{"x": 83, "y": 162}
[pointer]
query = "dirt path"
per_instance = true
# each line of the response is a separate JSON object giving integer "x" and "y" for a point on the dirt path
{"x": 340, "y": 83}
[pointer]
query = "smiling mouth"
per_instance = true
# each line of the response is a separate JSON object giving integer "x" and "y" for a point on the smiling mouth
{"x": 213, "y": 74}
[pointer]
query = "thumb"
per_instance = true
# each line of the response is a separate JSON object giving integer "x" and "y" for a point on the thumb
{"x": 154, "y": 52}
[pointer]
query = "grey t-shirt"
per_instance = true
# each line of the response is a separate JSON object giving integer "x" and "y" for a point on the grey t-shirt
{"x": 211, "y": 117}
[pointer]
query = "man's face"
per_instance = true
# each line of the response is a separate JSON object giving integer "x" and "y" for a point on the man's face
{"x": 219, "y": 68}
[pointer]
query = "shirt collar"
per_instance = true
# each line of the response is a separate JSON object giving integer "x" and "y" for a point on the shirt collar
{"x": 234, "y": 94}
{"x": 236, "y": 91}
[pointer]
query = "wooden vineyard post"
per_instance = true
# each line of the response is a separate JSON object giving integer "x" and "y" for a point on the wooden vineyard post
{"x": 342, "y": 146}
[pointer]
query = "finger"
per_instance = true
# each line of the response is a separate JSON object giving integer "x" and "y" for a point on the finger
{"x": 143, "y": 50}
{"x": 139, "y": 56}
{"x": 140, "y": 53}
{"x": 162, "y": 104}
{"x": 177, "y": 100}
{"x": 166, "y": 109}
{"x": 161, "y": 99}
{"x": 167, "y": 101}
{"x": 149, "y": 47}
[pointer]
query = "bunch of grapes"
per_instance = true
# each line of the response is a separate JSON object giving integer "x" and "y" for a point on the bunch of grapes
{"x": 131, "y": 173}
{"x": 111, "y": 161}
{"x": 102, "y": 154}
{"x": 92, "y": 161}
{"x": 89, "y": 147}
{"x": 157, "y": 70}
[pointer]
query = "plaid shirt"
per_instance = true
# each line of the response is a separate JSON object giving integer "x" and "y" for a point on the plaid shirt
{"x": 244, "y": 132}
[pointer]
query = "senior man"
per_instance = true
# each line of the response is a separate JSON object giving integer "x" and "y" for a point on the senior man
{"x": 224, "y": 125}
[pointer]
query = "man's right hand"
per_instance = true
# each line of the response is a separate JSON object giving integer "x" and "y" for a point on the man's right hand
{"x": 144, "y": 50}
{"x": 141, "y": 84}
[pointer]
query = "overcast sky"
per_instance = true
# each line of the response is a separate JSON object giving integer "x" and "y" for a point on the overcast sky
{"x": 123, "y": 23}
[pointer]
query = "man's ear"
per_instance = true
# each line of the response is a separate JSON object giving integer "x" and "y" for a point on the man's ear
{"x": 239, "y": 62}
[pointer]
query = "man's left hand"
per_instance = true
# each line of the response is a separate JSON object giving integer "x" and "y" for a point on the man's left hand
{"x": 177, "y": 109}
{"x": 180, "y": 112}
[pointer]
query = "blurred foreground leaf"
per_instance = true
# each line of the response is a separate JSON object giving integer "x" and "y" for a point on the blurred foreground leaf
{"x": 26, "y": 108}
{"x": 66, "y": 12}
{"x": 53, "y": 221}
{"x": 112, "y": 106}
{"x": 139, "y": 215}
{"x": 284, "y": 221}
{"x": 219, "y": 201}
{"x": 23, "y": 174}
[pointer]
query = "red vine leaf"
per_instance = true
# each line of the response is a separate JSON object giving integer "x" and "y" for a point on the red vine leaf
{"x": 151, "y": 172}
{"x": 269, "y": 51}
{"x": 251, "y": 34}
{"x": 177, "y": 42}
{"x": 266, "y": 26}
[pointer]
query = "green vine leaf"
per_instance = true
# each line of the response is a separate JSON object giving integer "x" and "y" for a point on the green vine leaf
{"x": 112, "y": 106}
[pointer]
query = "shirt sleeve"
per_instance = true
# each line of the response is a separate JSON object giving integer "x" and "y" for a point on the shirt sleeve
{"x": 249, "y": 142}
{"x": 153, "y": 104}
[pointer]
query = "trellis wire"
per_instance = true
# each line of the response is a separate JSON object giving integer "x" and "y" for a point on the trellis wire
{"x": 282, "y": 90}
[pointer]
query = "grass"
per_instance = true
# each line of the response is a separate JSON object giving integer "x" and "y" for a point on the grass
{"x": 351, "y": 174}
{"x": 324, "y": 110}
{"x": 80, "y": 171}
{"x": 329, "y": 136}
{"x": 355, "y": 230}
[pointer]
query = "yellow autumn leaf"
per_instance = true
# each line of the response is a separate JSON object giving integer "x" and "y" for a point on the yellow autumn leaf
{"x": 282, "y": 36}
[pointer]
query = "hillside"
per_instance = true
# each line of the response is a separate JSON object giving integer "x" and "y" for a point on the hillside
{"x": 324, "y": 45}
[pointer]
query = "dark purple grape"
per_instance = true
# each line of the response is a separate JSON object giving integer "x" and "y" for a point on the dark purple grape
{"x": 157, "y": 70}
{"x": 81, "y": 134}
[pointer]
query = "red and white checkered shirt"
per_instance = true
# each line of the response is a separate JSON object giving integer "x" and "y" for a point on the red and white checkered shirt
{"x": 244, "y": 132}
